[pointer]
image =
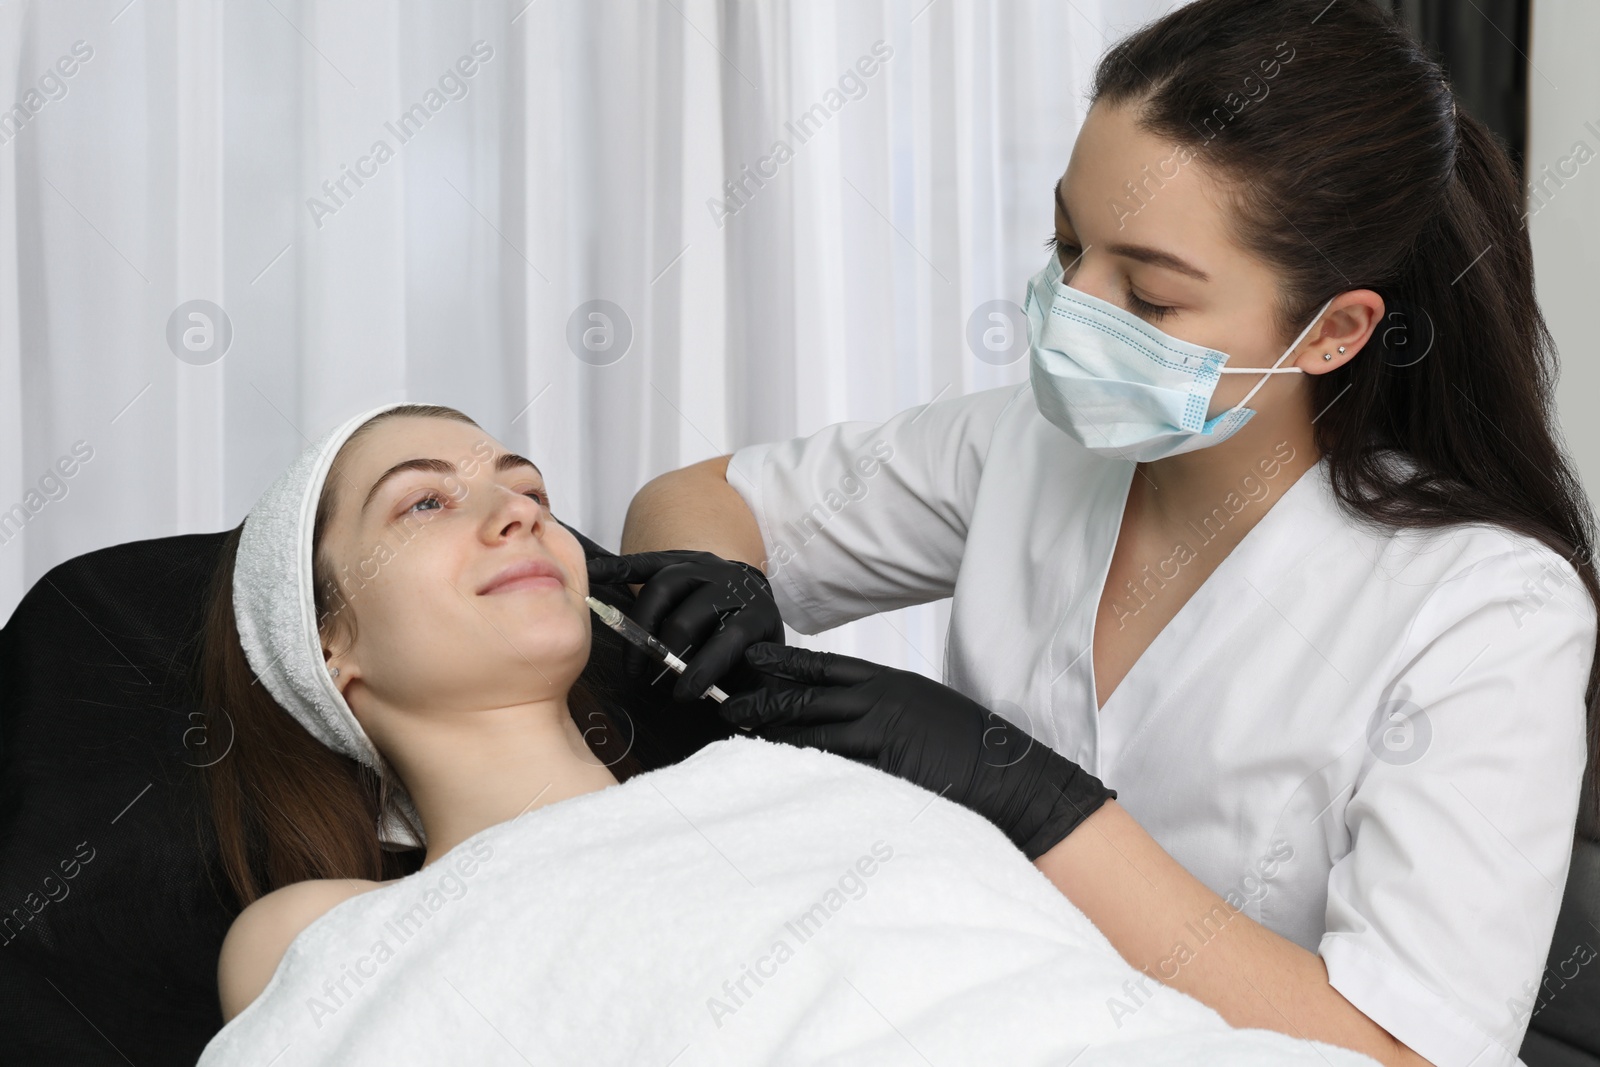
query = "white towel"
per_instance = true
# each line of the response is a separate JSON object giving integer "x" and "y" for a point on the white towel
{"x": 755, "y": 903}
{"x": 276, "y": 615}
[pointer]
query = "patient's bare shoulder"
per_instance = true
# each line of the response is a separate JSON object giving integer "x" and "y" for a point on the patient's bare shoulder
{"x": 262, "y": 932}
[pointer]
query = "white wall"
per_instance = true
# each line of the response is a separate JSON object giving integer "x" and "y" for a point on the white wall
{"x": 1564, "y": 219}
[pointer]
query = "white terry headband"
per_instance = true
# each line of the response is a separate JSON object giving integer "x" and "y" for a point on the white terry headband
{"x": 275, "y": 609}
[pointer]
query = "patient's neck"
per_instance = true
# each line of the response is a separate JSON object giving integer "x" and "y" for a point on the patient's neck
{"x": 473, "y": 771}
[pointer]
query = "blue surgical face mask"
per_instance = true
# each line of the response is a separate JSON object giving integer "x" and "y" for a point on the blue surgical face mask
{"x": 1119, "y": 386}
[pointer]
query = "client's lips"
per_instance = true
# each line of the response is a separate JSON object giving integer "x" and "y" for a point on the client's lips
{"x": 526, "y": 574}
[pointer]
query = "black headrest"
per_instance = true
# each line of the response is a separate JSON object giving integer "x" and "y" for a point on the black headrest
{"x": 110, "y": 916}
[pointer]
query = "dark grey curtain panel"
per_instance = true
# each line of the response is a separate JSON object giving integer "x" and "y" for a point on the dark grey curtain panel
{"x": 1483, "y": 44}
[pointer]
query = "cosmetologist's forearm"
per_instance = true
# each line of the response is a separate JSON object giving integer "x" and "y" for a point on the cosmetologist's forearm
{"x": 693, "y": 507}
{"x": 1150, "y": 907}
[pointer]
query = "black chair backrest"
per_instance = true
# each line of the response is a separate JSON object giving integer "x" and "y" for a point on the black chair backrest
{"x": 1565, "y": 1028}
{"x": 110, "y": 919}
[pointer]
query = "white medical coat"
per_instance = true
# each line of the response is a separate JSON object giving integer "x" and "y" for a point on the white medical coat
{"x": 1371, "y": 741}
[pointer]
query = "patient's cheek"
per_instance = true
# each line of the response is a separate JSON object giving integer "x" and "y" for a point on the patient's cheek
{"x": 374, "y": 563}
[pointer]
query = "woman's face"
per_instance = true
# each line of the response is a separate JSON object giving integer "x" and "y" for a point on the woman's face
{"x": 1142, "y": 229}
{"x": 427, "y": 513}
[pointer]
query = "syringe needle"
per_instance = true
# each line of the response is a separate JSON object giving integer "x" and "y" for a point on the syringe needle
{"x": 638, "y": 635}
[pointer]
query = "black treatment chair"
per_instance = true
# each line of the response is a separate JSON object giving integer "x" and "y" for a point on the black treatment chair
{"x": 109, "y": 920}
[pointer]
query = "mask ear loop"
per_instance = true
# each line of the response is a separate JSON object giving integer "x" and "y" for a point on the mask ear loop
{"x": 1274, "y": 369}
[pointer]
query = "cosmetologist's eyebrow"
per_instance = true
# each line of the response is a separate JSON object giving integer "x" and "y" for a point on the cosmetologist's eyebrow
{"x": 1142, "y": 253}
{"x": 506, "y": 461}
{"x": 1157, "y": 258}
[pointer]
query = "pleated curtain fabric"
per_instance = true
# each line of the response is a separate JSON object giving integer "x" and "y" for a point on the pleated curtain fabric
{"x": 624, "y": 236}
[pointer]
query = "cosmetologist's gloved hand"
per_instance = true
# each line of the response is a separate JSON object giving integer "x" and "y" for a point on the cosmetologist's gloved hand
{"x": 713, "y": 607}
{"x": 917, "y": 729}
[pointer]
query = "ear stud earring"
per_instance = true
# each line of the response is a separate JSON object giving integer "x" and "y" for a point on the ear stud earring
{"x": 336, "y": 672}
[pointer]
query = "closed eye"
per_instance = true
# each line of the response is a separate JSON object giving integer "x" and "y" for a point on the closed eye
{"x": 1147, "y": 309}
{"x": 1066, "y": 252}
{"x": 1065, "y": 249}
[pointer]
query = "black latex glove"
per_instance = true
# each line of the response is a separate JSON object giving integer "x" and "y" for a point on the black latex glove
{"x": 915, "y": 728}
{"x": 712, "y": 607}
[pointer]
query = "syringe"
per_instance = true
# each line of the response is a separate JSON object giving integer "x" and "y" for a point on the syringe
{"x": 637, "y": 634}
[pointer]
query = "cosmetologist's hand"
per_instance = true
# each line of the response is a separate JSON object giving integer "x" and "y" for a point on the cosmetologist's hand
{"x": 915, "y": 728}
{"x": 713, "y": 607}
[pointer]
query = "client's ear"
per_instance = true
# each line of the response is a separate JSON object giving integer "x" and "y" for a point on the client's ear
{"x": 341, "y": 677}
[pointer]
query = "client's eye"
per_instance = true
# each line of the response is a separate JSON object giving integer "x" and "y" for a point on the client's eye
{"x": 538, "y": 494}
{"x": 435, "y": 497}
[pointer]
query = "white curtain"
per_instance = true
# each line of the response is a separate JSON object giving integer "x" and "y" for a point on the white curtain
{"x": 535, "y": 158}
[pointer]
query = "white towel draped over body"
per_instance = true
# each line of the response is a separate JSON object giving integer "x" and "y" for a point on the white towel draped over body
{"x": 755, "y": 903}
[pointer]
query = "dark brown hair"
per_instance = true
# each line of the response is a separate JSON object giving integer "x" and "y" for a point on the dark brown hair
{"x": 286, "y": 808}
{"x": 1349, "y": 166}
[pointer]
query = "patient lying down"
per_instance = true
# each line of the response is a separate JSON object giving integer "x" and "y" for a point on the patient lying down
{"x": 754, "y": 903}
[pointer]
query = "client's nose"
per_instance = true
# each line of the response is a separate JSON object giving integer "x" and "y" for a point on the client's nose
{"x": 515, "y": 508}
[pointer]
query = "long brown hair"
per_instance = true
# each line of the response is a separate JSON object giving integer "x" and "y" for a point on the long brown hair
{"x": 1351, "y": 167}
{"x": 285, "y": 808}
